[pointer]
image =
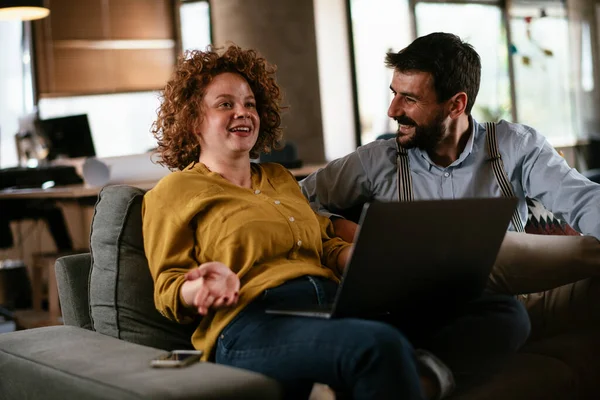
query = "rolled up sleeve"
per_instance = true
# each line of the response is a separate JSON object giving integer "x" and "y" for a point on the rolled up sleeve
{"x": 332, "y": 245}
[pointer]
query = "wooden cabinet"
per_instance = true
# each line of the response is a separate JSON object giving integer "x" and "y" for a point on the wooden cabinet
{"x": 104, "y": 46}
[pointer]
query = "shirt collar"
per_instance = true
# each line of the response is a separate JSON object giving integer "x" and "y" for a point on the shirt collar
{"x": 470, "y": 143}
{"x": 469, "y": 147}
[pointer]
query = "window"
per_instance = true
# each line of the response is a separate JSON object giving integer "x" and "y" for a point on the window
{"x": 378, "y": 26}
{"x": 11, "y": 90}
{"x": 539, "y": 53}
{"x": 541, "y": 62}
{"x": 481, "y": 26}
{"x": 194, "y": 17}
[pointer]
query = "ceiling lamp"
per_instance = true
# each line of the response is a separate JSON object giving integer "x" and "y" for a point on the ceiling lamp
{"x": 24, "y": 10}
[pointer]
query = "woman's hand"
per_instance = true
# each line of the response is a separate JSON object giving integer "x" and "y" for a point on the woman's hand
{"x": 211, "y": 285}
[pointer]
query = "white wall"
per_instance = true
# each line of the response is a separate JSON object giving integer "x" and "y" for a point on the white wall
{"x": 120, "y": 123}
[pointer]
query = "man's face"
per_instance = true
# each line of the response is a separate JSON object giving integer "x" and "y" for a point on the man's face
{"x": 420, "y": 118}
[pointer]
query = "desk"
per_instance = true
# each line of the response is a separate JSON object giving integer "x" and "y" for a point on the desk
{"x": 73, "y": 192}
{"x": 68, "y": 199}
{"x": 38, "y": 251}
{"x": 35, "y": 246}
{"x": 39, "y": 255}
{"x": 69, "y": 192}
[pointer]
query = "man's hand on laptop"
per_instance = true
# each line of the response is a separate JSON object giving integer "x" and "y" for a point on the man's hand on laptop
{"x": 344, "y": 228}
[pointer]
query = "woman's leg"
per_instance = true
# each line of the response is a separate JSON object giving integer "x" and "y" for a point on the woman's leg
{"x": 367, "y": 359}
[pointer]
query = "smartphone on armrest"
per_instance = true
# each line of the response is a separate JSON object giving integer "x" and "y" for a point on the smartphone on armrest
{"x": 177, "y": 359}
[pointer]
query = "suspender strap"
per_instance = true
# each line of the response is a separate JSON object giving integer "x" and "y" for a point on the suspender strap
{"x": 499, "y": 171}
{"x": 404, "y": 179}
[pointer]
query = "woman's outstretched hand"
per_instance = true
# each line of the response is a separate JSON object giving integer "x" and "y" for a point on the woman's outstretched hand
{"x": 211, "y": 285}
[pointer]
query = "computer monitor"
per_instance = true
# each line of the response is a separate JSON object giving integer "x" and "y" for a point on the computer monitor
{"x": 67, "y": 137}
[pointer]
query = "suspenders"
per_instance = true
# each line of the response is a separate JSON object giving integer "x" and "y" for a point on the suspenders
{"x": 404, "y": 178}
{"x": 498, "y": 167}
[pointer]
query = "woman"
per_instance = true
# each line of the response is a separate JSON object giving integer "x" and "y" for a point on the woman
{"x": 227, "y": 238}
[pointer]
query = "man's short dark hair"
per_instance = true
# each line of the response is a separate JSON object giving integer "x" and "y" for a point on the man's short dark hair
{"x": 454, "y": 64}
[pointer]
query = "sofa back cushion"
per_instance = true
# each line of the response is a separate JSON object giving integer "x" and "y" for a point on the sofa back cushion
{"x": 121, "y": 290}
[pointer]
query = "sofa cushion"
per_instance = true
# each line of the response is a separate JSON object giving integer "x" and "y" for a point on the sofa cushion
{"x": 121, "y": 288}
{"x": 579, "y": 350}
{"x": 64, "y": 362}
{"x": 524, "y": 376}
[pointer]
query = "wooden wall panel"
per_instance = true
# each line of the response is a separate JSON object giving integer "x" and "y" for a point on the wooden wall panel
{"x": 42, "y": 50}
{"x": 141, "y": 19}
{"x": 151, "y": 67}
{"x": 82, "y": 71}
{"x": 104, "y": 46}
{"x": 81, "y": 19}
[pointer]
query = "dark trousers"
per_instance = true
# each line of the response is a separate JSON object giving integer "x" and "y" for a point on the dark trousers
{"x": 366, "y": 359}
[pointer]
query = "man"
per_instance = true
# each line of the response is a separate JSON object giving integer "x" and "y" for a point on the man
{"x": 441, "y": 152}
{"x": 435, "y": 83}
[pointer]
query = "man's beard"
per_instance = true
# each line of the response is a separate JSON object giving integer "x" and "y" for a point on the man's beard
{"x": 425, "y": 137}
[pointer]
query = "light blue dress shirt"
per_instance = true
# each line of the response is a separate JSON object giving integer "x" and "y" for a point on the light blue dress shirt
{"x": 533, "y": 166}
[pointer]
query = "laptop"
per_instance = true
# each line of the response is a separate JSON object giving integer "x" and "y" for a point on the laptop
{"x": 414, "y": 256}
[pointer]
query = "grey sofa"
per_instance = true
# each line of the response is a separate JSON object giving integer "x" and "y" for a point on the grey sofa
{"x": 112, "y": 331}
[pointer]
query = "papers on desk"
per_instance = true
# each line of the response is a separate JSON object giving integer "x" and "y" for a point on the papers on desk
{"x": 123, "y": 169}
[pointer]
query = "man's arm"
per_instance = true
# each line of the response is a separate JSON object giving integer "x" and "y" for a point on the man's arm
{"x": 344, "y": 228}
{"x": 340, "y": 185}
{"x": 547, "y": 177}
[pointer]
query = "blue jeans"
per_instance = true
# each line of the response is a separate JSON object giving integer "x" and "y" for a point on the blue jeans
{"x": 365, "y": 359}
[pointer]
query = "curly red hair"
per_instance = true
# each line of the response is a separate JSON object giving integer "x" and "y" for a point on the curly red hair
{"x": 181, "y": 106}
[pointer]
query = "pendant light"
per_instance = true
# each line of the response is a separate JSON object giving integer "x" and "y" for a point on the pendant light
{"x": 24, "y": 10}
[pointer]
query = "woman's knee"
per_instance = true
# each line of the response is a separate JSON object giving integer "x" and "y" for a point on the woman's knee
{"x": 379, "y": 341}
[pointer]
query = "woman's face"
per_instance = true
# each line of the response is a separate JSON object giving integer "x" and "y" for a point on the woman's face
{"x": 230, "y": 122}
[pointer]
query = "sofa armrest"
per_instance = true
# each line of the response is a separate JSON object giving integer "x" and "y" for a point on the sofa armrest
{"x": 63, "y": 362}
{"x": 72, "y": 276}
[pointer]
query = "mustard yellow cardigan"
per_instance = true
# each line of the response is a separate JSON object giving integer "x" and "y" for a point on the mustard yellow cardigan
{"x": 267, "y": 235}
